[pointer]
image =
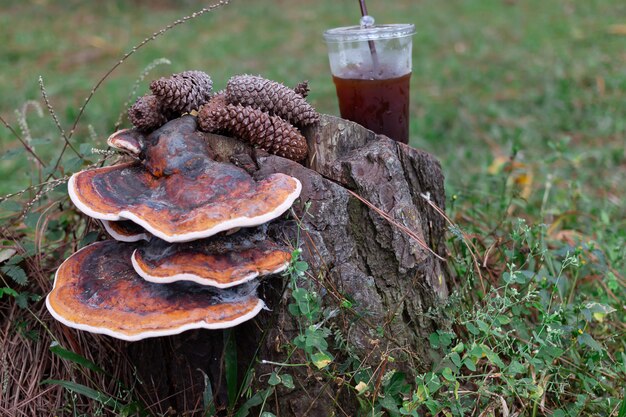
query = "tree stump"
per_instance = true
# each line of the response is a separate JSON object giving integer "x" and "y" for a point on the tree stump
{"x": 354, "y": 254}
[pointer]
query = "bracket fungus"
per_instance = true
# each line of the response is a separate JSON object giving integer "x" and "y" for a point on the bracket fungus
{"x": 183, "y": 208}
{"x": 199, "y": 198}
{"x": 96, "y": 289}
{"x": 176, "y": 197}
{"x": 130, "y": 141}
{"x": 221, "y": 262}
{"x": 125, "y": 231}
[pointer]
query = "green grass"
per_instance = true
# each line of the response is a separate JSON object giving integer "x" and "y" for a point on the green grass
{"x": 487, "y": 74}
{"x": 522, "y": 101}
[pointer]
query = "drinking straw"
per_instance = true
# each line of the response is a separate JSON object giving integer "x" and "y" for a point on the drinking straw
{"x": 363, "y": 7}
{"x": 370, "y": 43}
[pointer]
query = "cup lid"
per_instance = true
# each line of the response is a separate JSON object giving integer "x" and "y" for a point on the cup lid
{"x": 371, "y": 33}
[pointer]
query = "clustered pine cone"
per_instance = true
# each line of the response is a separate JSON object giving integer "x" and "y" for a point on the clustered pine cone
{"x": 146, "y": 114}
{"x": 183, "y": 92}
{"x": 254, "y": 126}
{"x": 272, "y": 97}
{"x": 302, "y": 89}
{"x": 257, "y": 110}
{"x": 206, "y": 121}
{"x": 171, "y": 97}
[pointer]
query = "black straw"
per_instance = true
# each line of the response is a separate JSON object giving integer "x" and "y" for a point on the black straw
{"x": 370, "y": 43}
{"x": 363, "y": 7}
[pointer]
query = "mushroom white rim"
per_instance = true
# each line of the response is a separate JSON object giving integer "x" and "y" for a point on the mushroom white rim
{"x": 186, "y": 237}
{"x": 124, "y": 238}
{"x": 151, "y": 333}
{"x": 197, "y": 279}
{"x": 156, "y": 333}
{"x": 129, "y": 148}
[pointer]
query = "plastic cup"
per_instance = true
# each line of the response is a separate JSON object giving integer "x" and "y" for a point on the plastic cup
{"x": 371, "y": 69}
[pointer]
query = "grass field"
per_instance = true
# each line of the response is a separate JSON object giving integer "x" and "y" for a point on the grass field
{"x": 523, "y": 101}
{"x": 488, "y": 75}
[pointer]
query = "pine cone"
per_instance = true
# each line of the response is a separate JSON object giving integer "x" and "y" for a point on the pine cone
{"x": 146, "y": 114}
{"x": 271, "y": 97}
{"x": 302, "y": 88}
{"x": 256, "y": 127}
{"x": 206, "y": 122}
{"x": 183, "y": 92}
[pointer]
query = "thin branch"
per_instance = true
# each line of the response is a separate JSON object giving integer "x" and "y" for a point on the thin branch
{"x": 124, "y": 58}
{"x": 403, "y": 228}
{"x": 133, "y": 90}
{"x": 137, "y": 47}
{"x": 44, "y": 94}
{"x": 52, "y": 183}
{"x": 26, "y": 145}
{"x": 466, "y": 241}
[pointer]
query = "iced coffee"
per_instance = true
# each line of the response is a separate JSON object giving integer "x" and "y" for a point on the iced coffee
{"x": 371, "y": 68}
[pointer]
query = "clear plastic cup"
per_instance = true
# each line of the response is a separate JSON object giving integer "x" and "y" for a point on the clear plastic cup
{"x": 371, "y": 69}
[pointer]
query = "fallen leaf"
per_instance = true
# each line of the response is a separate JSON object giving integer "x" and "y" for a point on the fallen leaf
{"x": 618, "y": 29}
{"x": 321, "y": 360}
{"x": 6, "y": 254}
{"x": 497, "y": 164}
{"x": 571, "y": 237}
{"x": 525, "y": 181}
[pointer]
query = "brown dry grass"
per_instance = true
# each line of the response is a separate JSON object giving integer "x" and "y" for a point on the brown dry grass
{"x": 25, "y": 364}
{"x": 26, "y": 335}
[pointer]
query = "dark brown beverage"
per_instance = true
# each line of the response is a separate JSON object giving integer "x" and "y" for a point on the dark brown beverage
{"x": 379, "y": 105}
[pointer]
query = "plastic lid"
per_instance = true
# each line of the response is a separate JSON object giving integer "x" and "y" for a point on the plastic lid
{"x": 373, "y": 33}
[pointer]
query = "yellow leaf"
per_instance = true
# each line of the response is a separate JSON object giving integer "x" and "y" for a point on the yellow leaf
{"x": 525, "y": 181}
{"x": 321, "y": 361}
{"x": 497, "y": 164}
{"x": 599, "y": 316}
{"x": 97, "y": 42}
{"x": 538, "y": 393}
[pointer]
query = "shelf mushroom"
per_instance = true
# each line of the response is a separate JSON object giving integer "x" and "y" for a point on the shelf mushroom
{"x": 179, "y": 194}
{"x": 172, "y": 194}
{"x": 97, "y": 290}
{"x": 125, "y": 231}
{"x": 221, "y": 262}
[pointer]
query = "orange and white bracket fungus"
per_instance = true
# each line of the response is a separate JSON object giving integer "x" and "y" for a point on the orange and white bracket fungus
{"x": 222, "y": 262}
{"x": 179, "y": 194}
{"x": 125, "y": 231}
{"x": 174, "y": 191}
{"x": 97, "y": 290}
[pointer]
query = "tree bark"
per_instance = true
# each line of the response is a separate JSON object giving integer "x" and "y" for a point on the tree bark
{"x": 354, "y": 253}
